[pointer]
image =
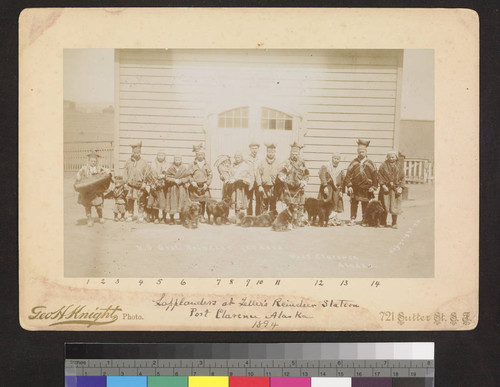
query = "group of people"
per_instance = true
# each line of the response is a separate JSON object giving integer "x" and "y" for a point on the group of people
{"x": 262, "y": 180}
{"x": 252, "y": 184}
{"x": 362, "y": 180}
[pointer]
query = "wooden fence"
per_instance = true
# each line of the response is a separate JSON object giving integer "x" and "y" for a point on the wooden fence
{"x": 419, "y": 171}
{"x": 75, "y": 154}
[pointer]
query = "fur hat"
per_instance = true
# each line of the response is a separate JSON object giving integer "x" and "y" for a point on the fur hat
{"x": 254, "y": 143}
{"x": 137, "y": 145}
{"x": 270, "y": 145}
{"x": 296, "y": 146}
{"x": 93, "y": 154}
{"x": 393, "y": 152}
{"x": 198, "y": 148}
{"x": 363, "y": 143}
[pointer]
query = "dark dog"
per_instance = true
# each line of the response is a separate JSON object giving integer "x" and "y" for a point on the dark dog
{"x": 190, "y": 214}
{"x": 218, "y": 212}
{"x": 374, "y": 213}
{"x": 285, "y": 218}
{"x": 263, "y": 220}
{"x": 312, "y": 208}
{"x": 317, "y": 208}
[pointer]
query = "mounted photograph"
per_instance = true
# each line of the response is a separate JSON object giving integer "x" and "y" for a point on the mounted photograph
{"x": 317, "y": 170}
{"x": 248, "y": 163}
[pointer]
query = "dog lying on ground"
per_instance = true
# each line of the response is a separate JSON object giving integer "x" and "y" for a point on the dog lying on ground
{"x": 263, "y": 220}
{"x": 236, "y": 219}
{"x": 318, "y": 210}
{"x": 374, "y": 213}
{"x": 190, "y": 214}
{"x": 218, "y": 212}
{"x": 285, "y": 219}
{"x": 333, "y": 220}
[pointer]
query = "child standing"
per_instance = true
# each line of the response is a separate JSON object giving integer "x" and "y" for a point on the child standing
{"x": 391, "y": 178}
{"x": 119, "y": 193}
{"x": 155, "y": 184}
{"x": 331, "y": 178}
{"x": 200, "y": 179}
{"x": 133, "y": 174}
{"x": 92, "y": 198}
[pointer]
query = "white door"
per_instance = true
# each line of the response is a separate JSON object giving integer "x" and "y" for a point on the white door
{"x": 233, "y": 130}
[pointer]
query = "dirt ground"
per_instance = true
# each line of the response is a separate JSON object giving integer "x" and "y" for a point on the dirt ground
{"x": 121, "y": 249}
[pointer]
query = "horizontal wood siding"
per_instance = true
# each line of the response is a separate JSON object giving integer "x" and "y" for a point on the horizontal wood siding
{"x": 165, "y": 97}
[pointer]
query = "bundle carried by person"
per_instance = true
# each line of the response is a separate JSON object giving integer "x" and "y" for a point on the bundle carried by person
{"x": 98, "y": 182}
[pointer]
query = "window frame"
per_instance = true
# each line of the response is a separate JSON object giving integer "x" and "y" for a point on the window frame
{"x": 242, "y": 114}
{"x": 279, "y": 119}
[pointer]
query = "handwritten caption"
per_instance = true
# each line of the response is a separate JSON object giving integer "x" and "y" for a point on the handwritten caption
{"x": 261, "y": 313}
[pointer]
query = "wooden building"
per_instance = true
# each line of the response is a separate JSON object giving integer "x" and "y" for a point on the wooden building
{"x": 324, "y": 99}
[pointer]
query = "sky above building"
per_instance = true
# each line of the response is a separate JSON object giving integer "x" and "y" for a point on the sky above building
{"x": 89, "y": 76}
{"x": 417, "y": 96}
{"x": 89, "y": 80}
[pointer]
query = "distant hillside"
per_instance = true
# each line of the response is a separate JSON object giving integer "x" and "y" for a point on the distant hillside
{"x": 92, "y": 126}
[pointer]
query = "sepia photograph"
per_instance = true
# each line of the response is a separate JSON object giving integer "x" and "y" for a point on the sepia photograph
{"x": 271, "y": 179}
{"x": 248, "y": 163}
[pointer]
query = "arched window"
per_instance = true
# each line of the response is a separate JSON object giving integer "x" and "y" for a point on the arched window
{"x": 275, "y": 120}
{"x": 234, "y": 118}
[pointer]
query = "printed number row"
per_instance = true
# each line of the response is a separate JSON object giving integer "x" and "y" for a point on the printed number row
{"x": 222, "y": 282}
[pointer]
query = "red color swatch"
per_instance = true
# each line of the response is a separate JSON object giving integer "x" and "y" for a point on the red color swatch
{"x": 248, "y": 381}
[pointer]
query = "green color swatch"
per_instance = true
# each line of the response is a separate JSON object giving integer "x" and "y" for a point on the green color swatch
{"x": 167, "y": 381}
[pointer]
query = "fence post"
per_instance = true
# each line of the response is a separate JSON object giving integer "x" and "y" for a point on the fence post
{"x": 403, "y": 168}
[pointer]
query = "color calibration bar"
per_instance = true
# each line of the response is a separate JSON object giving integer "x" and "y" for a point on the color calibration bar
{"x": 245, "y": 381}
{"x": 234, "y": 365}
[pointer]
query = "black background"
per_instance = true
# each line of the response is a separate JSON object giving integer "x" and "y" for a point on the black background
{"x": 469, "y": 358}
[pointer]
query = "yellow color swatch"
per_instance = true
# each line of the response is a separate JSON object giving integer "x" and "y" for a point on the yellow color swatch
{"x": 209, "y": 381}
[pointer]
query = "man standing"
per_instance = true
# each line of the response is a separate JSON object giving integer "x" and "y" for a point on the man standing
{"x": 176, "y": 186}
{"x": 243, "y": 178}
{"x": 294, "y": 175}
{"x": 200, "y": 179}
{"x": 265, "y": 179}
{"x": 253, "y": 159}
{"x": 361, "y": 181}
{"x": 331, "y": 177}
{"x": 133, "y": 175}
